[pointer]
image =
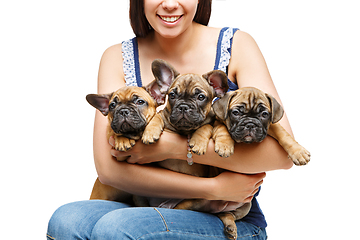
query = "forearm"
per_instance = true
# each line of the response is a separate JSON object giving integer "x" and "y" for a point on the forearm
{"x": 249, "y": 158}
{"x": 145, "y": 180}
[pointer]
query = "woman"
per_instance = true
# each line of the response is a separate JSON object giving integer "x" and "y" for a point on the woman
{"x": 175, "y": 31}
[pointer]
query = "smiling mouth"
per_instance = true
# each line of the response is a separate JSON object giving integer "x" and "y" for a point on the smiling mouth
{"x": 169, "y": 19}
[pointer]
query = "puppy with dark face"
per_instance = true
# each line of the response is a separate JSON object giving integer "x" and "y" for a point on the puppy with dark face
{"x": 129, "y": 110}
{"x": 250, "y": 114}
{"x": 188, "y": 110}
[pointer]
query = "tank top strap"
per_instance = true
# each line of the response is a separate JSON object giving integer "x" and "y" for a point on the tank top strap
{"x": 223, "y": 52}
{"x": 131, "y": 65}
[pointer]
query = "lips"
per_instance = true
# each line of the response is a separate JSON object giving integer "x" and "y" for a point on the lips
{"x": 170, "y": 19}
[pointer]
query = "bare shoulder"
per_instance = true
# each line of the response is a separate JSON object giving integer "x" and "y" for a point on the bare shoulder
{"x": 247, "y": 65}
{"x": 113, "y": 51}
{"x": 111, "y": 75}
{"x": 245, "y": 47}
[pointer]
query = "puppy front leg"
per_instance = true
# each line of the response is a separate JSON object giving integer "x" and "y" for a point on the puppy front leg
{"x": 297, "y": 153}
{"x": 224, "y": 144}
{"x": 153, "y": 130}
{"x": 121, "y": 143}
{"x": 200, "y": 139}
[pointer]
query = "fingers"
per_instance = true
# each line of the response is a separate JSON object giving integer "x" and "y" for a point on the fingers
{"x": 259, "y": 184}
{"x": 258, "y": 180}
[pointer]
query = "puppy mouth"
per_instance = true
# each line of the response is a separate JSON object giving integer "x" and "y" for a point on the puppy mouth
{"x": 183, "y": 123}
{"x": 128, "y": 126}
{"x": 248, "y": 138}
{"x": 247, "y": 132}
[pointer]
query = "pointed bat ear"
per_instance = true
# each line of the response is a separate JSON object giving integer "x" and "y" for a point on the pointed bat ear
{"x": 154, "y": 90}
{"x": 221, "y": 106}
{"x": 100, "y": 102}
{"x": 218, "y": 80}
{"x": 277, "y": 110}
{"x": 164, "y": 74}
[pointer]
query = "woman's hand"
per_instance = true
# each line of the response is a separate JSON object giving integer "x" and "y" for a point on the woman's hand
{"x": 170, "y": 145}
{"x": 236, "y": 187}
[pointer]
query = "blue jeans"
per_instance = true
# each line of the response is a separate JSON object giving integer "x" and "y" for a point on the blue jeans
{"x": 98, "y": 219}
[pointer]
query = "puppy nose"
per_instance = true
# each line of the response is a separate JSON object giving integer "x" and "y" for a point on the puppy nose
{"x": 183, "y": 108}
{"x": 249, "y": 126}
{"x": 124, "y": 112}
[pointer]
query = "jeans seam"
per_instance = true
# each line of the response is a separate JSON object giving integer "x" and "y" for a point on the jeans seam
{"x": 167, "y": 229}
{"x": 48, "y": 236}
{"x": 253, "y": 235}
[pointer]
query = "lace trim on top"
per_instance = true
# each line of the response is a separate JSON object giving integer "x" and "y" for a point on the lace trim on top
{"x": 129, "y": 62}
{"x": 225, "y": 53}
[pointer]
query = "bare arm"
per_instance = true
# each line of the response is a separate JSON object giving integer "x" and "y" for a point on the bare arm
{"x": 247, "y": 158}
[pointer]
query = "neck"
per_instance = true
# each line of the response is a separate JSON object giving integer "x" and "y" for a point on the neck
{"x": 179, "y": 45}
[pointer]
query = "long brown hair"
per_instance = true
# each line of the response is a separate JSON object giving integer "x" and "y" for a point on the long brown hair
{"x": 141, "y": 26}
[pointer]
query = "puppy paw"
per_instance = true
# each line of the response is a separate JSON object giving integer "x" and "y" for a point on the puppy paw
{"x": 198, "y": 147}
{"x": 228, "y": 219}
{"x": 300, "y": 156}
{"x": 225, "y": 148}
{"x": 231, "y": 231}
{"x": 123, "y": 144}
{"x": 151, "y": 135}
{"x": 200, "y": 139}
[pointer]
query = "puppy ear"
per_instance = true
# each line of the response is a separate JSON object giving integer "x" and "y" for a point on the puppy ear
{"x": 218, "y": 80}
{"x": 164, "y": 74}
{"x": 276, "y": 109}
{"x": 100, "y": 102}
{"x": 153, "y": 89}
{"x": 221, "y": 106}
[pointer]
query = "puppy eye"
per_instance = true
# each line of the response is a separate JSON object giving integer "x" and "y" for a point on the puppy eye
{"x": 201, "y": 97}
{"x": 112, "y": 106}
{"x": 265, "y": 114}
{"x": 235, "y": 112}
{"x": 140, "y": 102}
{"x": 172, "y": 95}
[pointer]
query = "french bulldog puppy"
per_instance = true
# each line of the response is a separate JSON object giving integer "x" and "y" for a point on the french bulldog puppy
{"x": 129, "y": 110}
{"x": 250, "y": 115}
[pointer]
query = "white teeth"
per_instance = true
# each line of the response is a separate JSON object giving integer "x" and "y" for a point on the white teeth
{"x": 170, "y": 19}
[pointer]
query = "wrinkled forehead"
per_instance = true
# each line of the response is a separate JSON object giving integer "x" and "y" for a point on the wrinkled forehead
{"x": 130, "y": 93}
{"x": 250, "y": 98}
{"x": 190, "y": 82}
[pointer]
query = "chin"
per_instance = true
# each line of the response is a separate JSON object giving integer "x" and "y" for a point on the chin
{"x": 171, "y": 32}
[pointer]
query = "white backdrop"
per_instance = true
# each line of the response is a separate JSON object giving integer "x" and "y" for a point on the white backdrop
{"x": 49, "y": 57}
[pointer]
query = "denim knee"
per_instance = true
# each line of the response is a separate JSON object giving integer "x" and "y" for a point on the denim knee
{"x": 130, "y": 223}
{"x": 77, "y": 220}
{"x": 67, "y": 222}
